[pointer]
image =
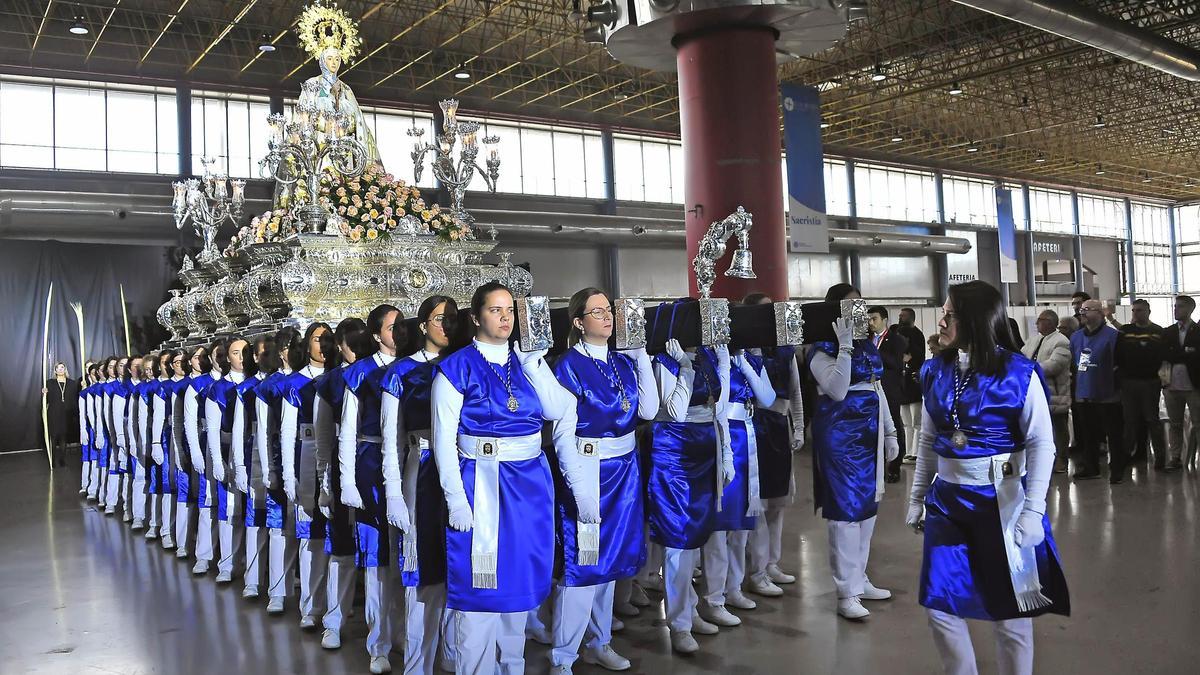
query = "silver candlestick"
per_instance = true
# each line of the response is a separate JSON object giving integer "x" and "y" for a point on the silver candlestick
{"x": 456, "y": 176}
{"x": 300, "y": 147}
{"x": 207, "y": 202}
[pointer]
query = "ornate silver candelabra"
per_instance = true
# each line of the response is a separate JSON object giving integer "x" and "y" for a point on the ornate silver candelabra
{"x": 456, "y": 176}
{"x": 714, "y": 312}
{"x": 300, "y": 147}
{"x": 207, "y": 202}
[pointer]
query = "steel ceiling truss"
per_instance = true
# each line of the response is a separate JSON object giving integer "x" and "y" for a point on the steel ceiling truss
{"x": 1028, "y": 95}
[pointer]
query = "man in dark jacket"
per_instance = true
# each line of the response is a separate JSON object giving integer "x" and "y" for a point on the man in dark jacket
{"x": 1181, "y": 374}
{"x": 892, "y": 347}
{"x": 910, "y": 385}
{"x": 1139, "y": 359}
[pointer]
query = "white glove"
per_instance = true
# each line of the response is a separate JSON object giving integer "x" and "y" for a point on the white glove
{"x": 461, "y": 518}
{"x": 891, "y": 448}
{"x": 675, "y": 351}
{"x": 240, "y": 480}
{"x": 351, "y": 498}
{"x": 529, "y": 358}
{"x": 727, "y": 472}
{"x": 589, "y": 510}
{"x": 397, "y": 514}
{"x": 289, "y": 489}
{"x": 915, "y": 518}
{"x": 156, "y": 454}
{"x": 844, "y": 329}
{"x": 219, "y": 472}
{"x": 722, "y": 355}
{"x": 635, "y": 354}
{"x": 325, "y": 503}
{"x": 1029, "y": 531}
{"x": 743, "y": 364}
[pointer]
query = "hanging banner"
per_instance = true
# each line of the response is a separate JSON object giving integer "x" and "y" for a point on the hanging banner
{"x": 808, "y": 226}
{"x": 1007, "y": 235}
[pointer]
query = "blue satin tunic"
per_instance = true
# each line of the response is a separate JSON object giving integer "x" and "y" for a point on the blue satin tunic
{"x": 364, "y": 378}
{"x": 772, "y": 430}
{"x": 410, "y": 381}
{"x": 268, "y": 513}
{"x": 965, "y": 570}
{"x": 300, "y": 391}
{"x": 526, "y": 491}
{"x": 173, "y": 452}
{"x": 330, "y": 386}
{"x": 198, "y": 386}
{"x": 681, "y": 487}
{"x": 735, "y": 500}
{"x": 845, "y": 441}
{"x": 600, "y": 415}
{"x": 223, "y": 392}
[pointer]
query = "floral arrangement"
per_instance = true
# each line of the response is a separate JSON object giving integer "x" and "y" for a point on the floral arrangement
{"x": 271, "y": 226}
{"x": 375, "y": 204}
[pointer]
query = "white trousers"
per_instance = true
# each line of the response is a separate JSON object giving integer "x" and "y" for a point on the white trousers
{"x": 227, "y": 546}
{"x": 136, "y": 493}
{"x": 678, "y": 565}
{"x": 450, "y": 638}
{"x": 378, "y": 608}
{"x": 93, "y": 485}
{"x": 256, "y": 545}
{"x": 490, "y": 642}
{"x": 339, "y": 590}
{"x": 1014, "y": 645}
{"x": 112, "y": 489}
{"x": 580, "y": 611}
{"x": 314, "y": 565}
{"x": 849, "y": 548}
{"x": 183, "y": 525}
{"x": 166, "y": 509}
{"x": 281, "y": 556}
{"x": 910, "y": 414}
{"x": 724, "y": 556}
{"x": 422, "y": 625}
{"x": 766, "y": 543}
{"x": 85, "y": 475}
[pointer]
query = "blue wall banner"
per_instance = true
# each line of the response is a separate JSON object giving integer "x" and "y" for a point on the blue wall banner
{"x": 1008, "y": 236}
{"x": 808, "y": 226}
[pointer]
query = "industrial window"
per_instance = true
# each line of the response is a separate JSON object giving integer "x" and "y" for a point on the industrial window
{"x": 538, "y": 159}
{"x": 648, "y": 169}
{"x": 895, "y": 194}
{"x": 230, "y": 129}
{"x": 395, "y": 145}
{"x": 969, "y": 201}
{"x": 1151, "y": 249}
{"x": 1101, "y": 217}
{"x": 87, "y": 126}
{"x": 1051, "y": 211}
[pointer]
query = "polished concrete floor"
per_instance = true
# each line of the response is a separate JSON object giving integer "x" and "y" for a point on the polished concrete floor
{"x": 80, "y": 593}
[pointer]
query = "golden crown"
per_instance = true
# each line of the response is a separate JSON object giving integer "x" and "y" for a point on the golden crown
{"x": 323, "y": 25}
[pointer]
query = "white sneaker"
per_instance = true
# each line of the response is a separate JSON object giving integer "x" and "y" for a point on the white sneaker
{"x": 684, "y": 643}
{"x": 739, "y": 601}
{"x": 201, "y": 567}
{"x": 250, "y": 591}
{"x": 606, "y": 658}
{"x": 719, "y": 615}
{"x": 308, "y": 621}
{"x": 617, "y": 625}
{"x": 167, "y": 543}
{"x": 870, "y": 592}
{"x": 779, "y": 576}
{"x": 108, "y": 510}
{"x": 224, "y": 577}
{"x": 181, "y": 552}
{"x": 627, "y": 609}
{"x": 152, "y": 533}
{"x": 539, "y": 635}
{"x": 331, "y": 639}
{"x": 702, "y": 627}
{"x": 638, "y": 597}
{"x": 128, "y": 518}
{"x": 380, "y": 664}
{"x": 82, "y": 492}
{"x": 763, "y": 587}
{"x": 137, "y": 524}
{"x": 851, "y": 608}
{"x": 275, "y": 606}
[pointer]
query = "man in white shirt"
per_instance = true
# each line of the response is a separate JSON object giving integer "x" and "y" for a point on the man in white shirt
{"x": 1181, "y": 375}
{"x": 1052, "y": 351}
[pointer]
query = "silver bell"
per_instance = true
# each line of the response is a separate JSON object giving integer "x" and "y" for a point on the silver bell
{"x": 742, "y": 265}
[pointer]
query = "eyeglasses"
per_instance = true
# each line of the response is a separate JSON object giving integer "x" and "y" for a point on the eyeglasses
{"x": 176, "y": 362}
{"x": 600, "y": 313}
{"x": 439, "y": 319}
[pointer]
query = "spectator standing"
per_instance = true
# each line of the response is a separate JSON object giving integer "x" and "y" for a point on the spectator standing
{"x": 1139, "y": 358}
{"x": 1181, "y": 370}
{"x": 910, "y": 385}
{"x": 893, "y": 347}
{"x": 1097, "y": 400}
{"x": 1052, "y": 351}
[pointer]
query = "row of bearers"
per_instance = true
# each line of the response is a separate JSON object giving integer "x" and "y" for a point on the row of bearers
{"x": 428, "y": 471}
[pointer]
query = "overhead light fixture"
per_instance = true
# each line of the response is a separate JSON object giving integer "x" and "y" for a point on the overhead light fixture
{"x": 825, "y": 123}
{"x": 897, "y": 138}
{"x": 264, "y": 43}
{"x": 878, "y": 75}
{"x": 462, "y": 73}
{"x": 1041, "y": 159}
{"x": 620, "y": 94}
{"x": 1099, "y": 123}
{"x": 79, "y": 27}
{"x": 955, "y": 90}
{"x": 1100, "y": 170}
{"x": 1145, "y": 177}
{"x": 972, "y": 147}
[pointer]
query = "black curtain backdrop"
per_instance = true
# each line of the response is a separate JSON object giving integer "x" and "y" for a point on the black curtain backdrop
{"x": 90, "y": 274}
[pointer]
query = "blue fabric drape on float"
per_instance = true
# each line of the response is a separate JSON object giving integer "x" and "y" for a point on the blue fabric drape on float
{"x": 87, "y": 273}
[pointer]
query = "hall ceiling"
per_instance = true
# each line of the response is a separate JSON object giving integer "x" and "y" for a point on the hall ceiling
{"x": 1027, "y": 94}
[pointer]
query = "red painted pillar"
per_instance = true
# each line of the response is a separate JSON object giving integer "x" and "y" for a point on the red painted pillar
{"x": 729, "y": 120}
